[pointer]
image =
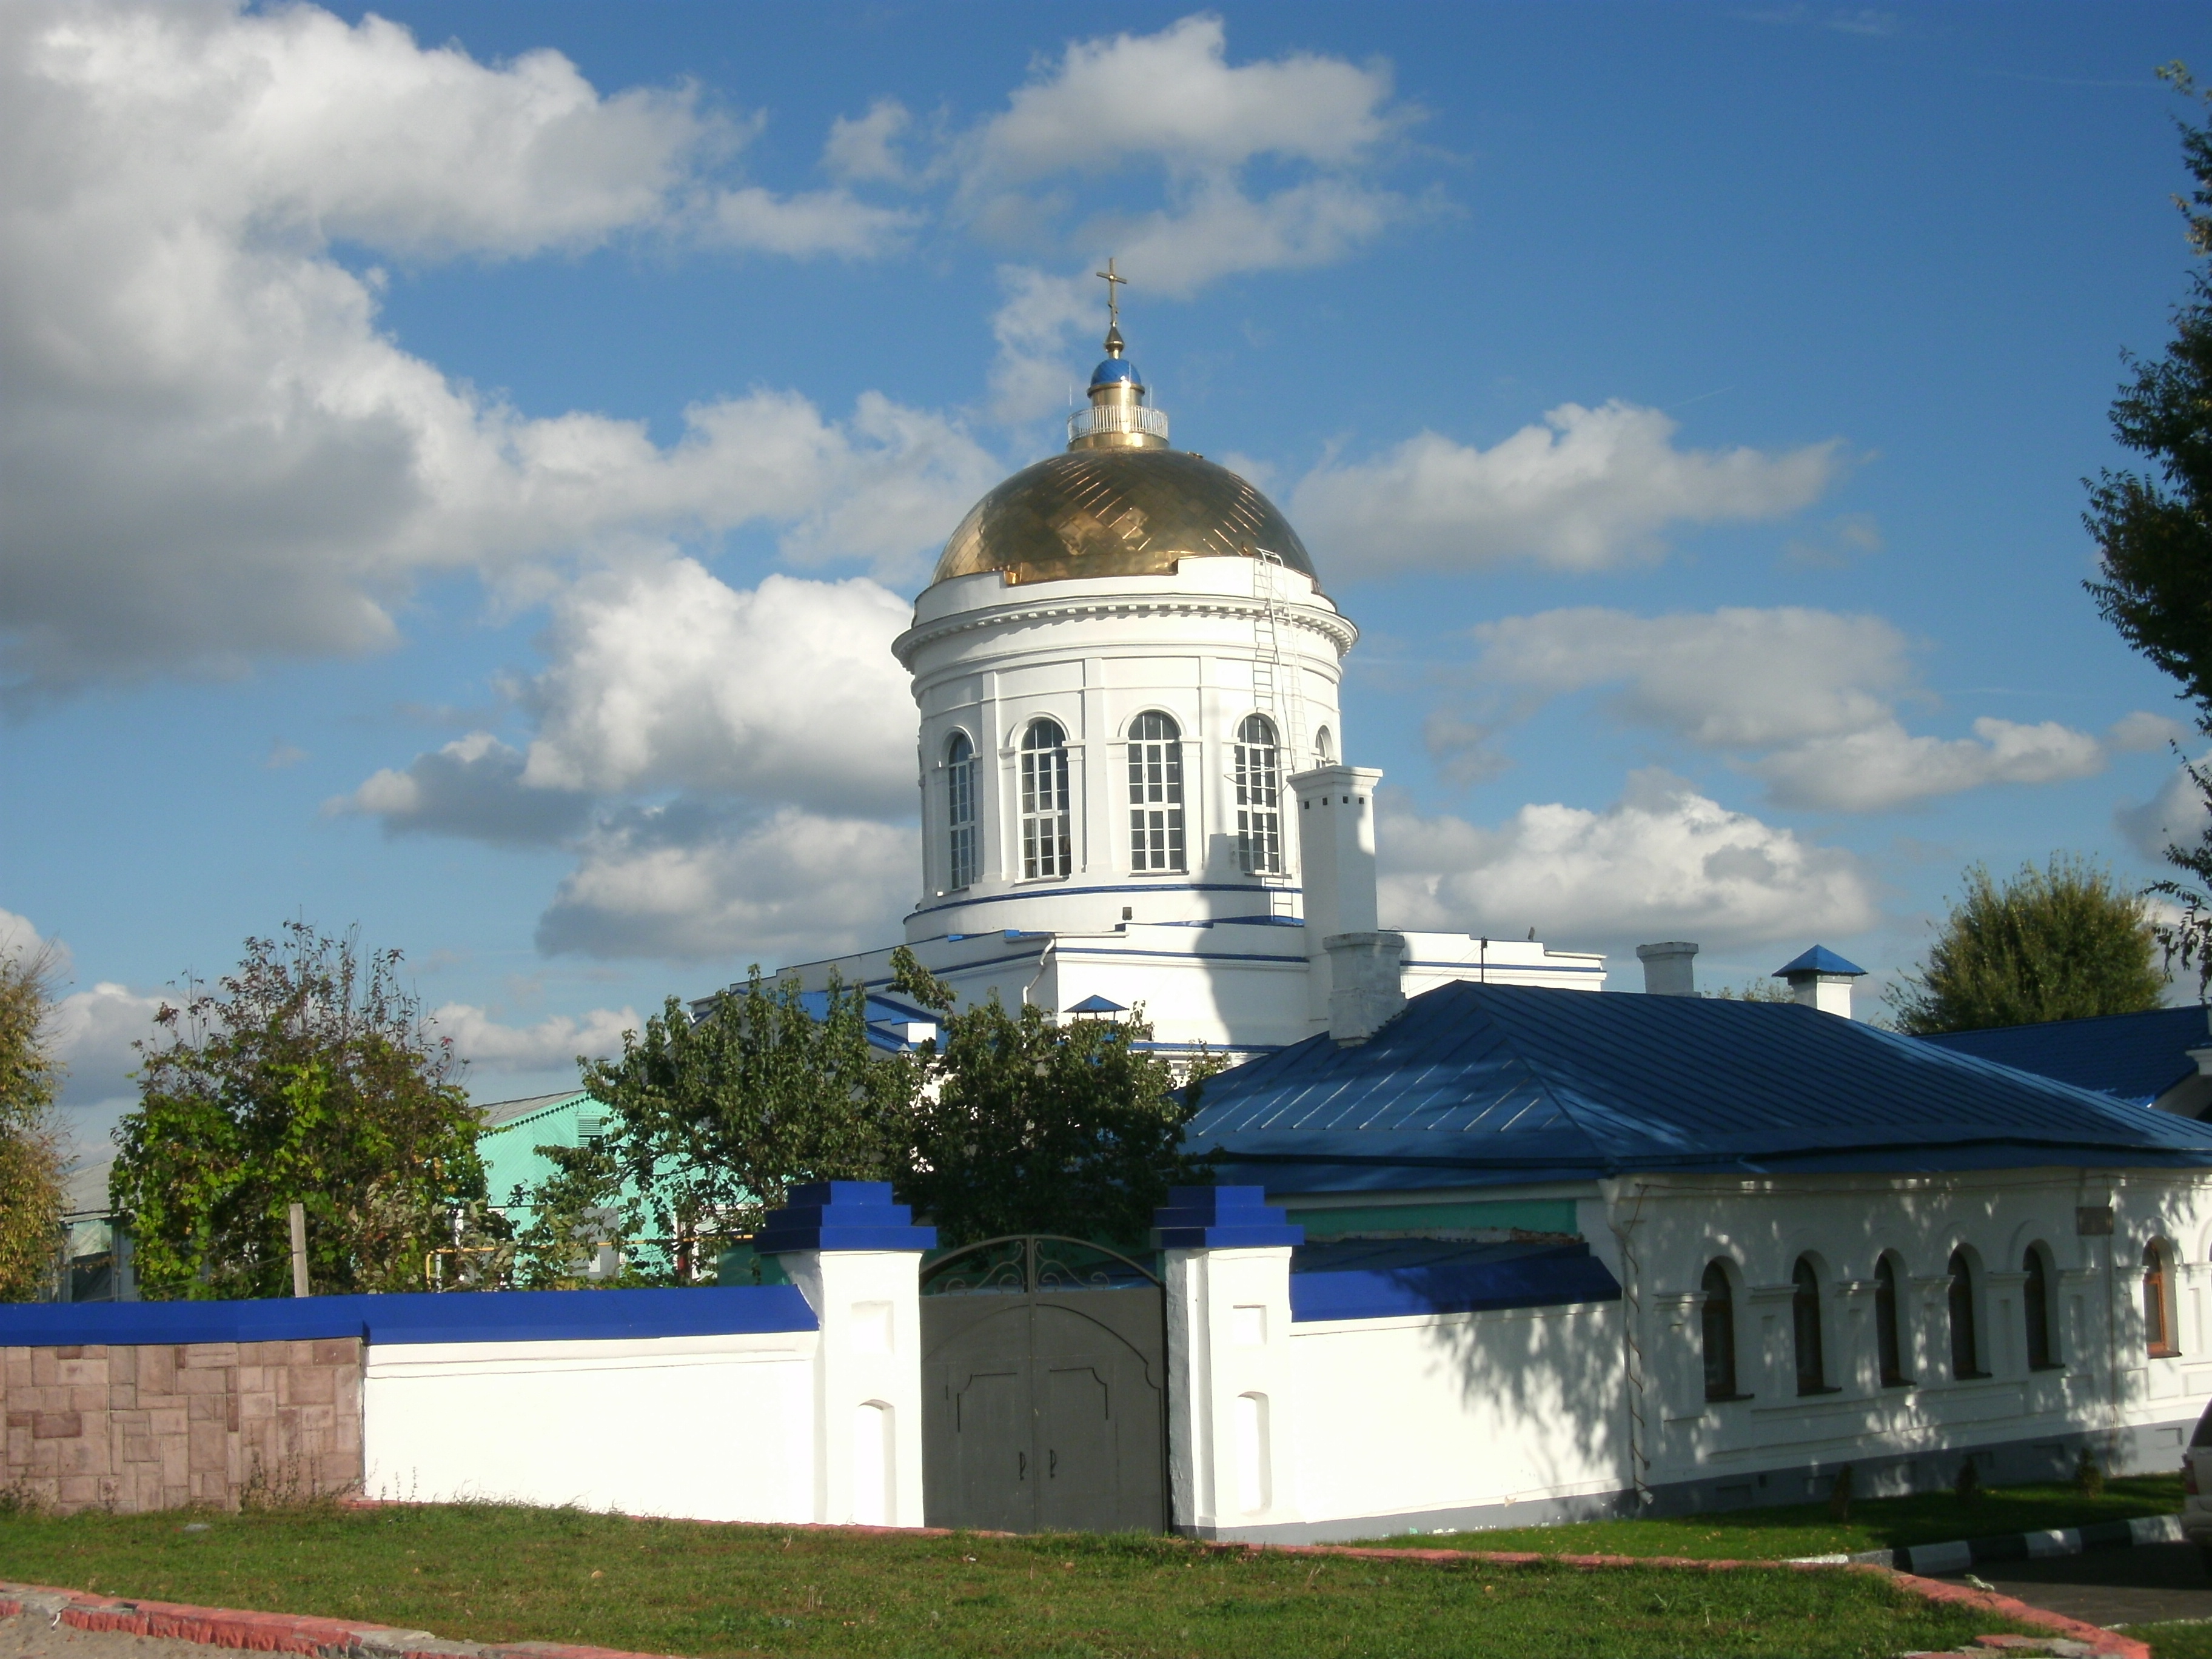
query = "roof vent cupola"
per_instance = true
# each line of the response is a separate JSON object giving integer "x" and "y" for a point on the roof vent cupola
{"x": 1119, "y": 415}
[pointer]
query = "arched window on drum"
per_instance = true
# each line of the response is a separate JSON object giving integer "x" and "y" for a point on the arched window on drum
{"x": 1045, "y": 815}
{"x": 1156, "y": 824}
{"x": 959, "y": 812}
{"x": 1259, "y": 798}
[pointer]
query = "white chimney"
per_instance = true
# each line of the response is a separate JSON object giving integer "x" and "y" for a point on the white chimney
{"x": 1336, "y": 868}
{"x": 1821, "y": 979}
{"x": 1366, "y": 990}
{"x": 1667, "y": 968}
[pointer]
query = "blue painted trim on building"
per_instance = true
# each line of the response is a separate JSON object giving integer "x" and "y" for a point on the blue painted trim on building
{"x": 415, "y": 1317}
{"x": 1173, "y": 955}
{"x": 1221, "y": 1219}
{"x": 1046, "y": 889}
{"x": 1507, "y": 968}
{"x": 1565, "y": 1275}
{"x": 842, "y": 1215}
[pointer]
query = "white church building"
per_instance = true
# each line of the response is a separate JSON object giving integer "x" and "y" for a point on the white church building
{"x": 1134, "y": 766}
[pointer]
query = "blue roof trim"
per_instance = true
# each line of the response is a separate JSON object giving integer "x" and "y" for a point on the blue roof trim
{"x": 1052, "y": 890}
{"x": 1487, "y": 1084}
{"x": 417, "y": 1317}
{"x": 1442, "y": 1279}
{"x": 1818, "y": 960}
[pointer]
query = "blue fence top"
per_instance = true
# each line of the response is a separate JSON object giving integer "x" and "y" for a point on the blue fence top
{"x": 1221, "y": 1219}
{"x": 1382, "y": 1279}
{"x": 454, "y": 1317}
{"x": 842, "y": 1215}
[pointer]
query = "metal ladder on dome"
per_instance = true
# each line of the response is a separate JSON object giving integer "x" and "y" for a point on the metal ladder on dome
{"x": 1275, "y": 694}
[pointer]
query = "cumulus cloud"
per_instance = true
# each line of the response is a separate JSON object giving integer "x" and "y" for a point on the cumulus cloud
{"x": 1662, "y": 862}
{"x": 682, "y": 882}
{"x": 487, "y": 1045}
{"x": 1885, "y": 766}
{"x": 664, "y": 678}
{"x": 863, "y": 148}
{"x": 211, "y": 453}
{"x": 1169, "y": 105}
{"x": 94, "y": 1034}
{"x": 1805, "y": 699}
{"x": 1587, "y": 489}
{"x": 2175, "y": 816}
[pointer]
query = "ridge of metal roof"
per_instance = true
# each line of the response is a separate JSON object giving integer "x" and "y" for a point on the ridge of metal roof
{"x": 498, "y": 1114}
{"x": 1478, "y": 1084}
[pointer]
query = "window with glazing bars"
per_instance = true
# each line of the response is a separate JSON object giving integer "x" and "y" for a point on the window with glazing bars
{"x": 1044, "y": 801}
{"x": 1259, "y": 798}
{"x": 960, "y": 811}
{"x": 1156, "y": 840}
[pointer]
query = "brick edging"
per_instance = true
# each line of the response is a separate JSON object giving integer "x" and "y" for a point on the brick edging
{"x": 269, "y": 1632}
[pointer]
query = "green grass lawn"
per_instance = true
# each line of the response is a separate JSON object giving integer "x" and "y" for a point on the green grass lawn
{"x": 2182, "y": 1639}
{"x": 492, "y": 1573}
{"x": 1795, "y": 1530}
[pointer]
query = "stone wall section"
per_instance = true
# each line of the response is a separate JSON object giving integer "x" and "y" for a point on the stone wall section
{"x": 208, "y": 1425}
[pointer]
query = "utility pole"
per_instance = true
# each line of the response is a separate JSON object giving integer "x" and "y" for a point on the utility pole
{"x": 299, "y": 1250}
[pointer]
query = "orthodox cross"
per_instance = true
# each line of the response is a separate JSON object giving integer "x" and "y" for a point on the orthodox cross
{"x": 1112, "y": 299}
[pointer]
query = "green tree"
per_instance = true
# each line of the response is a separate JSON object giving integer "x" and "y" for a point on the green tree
{"x": 1022, "y": 1124}
{"x": 711, "y": 1121}
{"x": 2154, "y": 529}
{"x": 2064, "y": 942}
{"x": 308, "y": 1076}
{"x": 31, "y": 1156}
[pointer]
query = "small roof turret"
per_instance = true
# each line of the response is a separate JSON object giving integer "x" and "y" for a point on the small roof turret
{"x": 1819, "y": 960}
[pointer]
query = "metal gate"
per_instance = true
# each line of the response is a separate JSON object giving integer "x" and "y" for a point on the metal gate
{"x": 1044, "y": 1399}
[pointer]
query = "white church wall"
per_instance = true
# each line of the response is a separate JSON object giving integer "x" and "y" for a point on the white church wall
{"x": 2104, "y": 1389}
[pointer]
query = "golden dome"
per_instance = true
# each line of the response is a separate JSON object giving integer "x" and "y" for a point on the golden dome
{"x": 1116, "y": 512}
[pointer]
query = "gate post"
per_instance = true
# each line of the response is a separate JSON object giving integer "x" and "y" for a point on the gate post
{"x": 1232, "y": 1422}
{"x": 856, "y": 1257}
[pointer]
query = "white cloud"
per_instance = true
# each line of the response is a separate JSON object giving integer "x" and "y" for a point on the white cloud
{"x": 1171, "y": 104}
{"x": 2175, "y": 816}
{"x": 2134, "y": 732}
{"x": 681, "y": 883}
{"x": 473, "y": 787}
{"x": 1805, "y": 699}
{"x": 1662, "y": 862}
{"x": 487, "y": 1045}
{"x": 1589, "y": 489}
{"x": 663, "y": 676}
{"x": 1885, "y": 766}
{"x": 94, "y": 1032}
{"x": 1732, "y": 678}
{"x": 862, "y": 150}
{"x": 210, "y": 452}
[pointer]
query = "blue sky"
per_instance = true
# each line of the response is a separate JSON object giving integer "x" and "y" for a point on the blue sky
{"x": 463, "y": 462}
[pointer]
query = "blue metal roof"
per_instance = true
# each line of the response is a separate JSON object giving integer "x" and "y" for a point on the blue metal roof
{"x": 1096, "y": 1004}
{"x": 1498, "y": 1084}
{"x": 1114, "y": 370}
{"x": 2136, "y": 1057}
{"x": 1818, "y": 960}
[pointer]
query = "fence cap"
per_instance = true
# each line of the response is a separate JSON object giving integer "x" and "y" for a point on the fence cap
{"x": 842, "y": 1215}
{"x": 1221, "y": 1219}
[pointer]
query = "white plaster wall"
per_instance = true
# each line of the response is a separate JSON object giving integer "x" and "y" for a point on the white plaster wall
{"x": 1458, "y": 1411}
{"x": 2106, "y": 1384}
{"x": 713, "y": 1428}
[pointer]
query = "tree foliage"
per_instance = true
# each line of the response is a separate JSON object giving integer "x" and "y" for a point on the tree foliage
{"x": 2064, "y": 942}
{"x": 1022, "y": 1125}
{"x": 2154, "y": 529}
{"x": 710, "y": 1121}
{"x": 307, "y": 1076}
{"x": 31, "y": 1155}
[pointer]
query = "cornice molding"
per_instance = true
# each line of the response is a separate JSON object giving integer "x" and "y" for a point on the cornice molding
{"x": 1331, "y": 625}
